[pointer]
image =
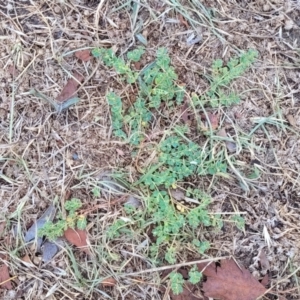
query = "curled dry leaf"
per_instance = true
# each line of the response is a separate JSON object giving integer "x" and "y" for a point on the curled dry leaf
{"x": 109, "y": 282}
{"x": 229, "y": 281}
{"x": 183, "y": 21}
{"x": 83, "y": 55}
{"x": 69, "y": 91}
{"x": 78, "y": 238}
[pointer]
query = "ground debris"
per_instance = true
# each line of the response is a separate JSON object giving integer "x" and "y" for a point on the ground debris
{"x": 69, "y": 91}
{"x": 84, "y": 55}
{"x": 229, "y": 281}
{"x": 5, "y": 280}
{"x": 78, "y": 238}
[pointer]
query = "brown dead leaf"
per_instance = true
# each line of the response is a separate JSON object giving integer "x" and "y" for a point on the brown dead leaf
{"x": 177, "y": 194}
{"x": 137, "y": 65}
{"x": 229, "y": 282}
{"x": 214, "y": 120}
{"x": 231, "y": 146}
{"x": 222, "y": 133}
{"x": 78, "y": 238}
{"x": 185, "y": 114}
{"x": 291, "y": 120}
{"x": 27, "y": 260}
{"x": 263, "y": 259}
{"x": 5, "y": 282}
{"x": 70, "y": 88}
{"x": 266, "y": 280}
{"x": 109, "y": 282}
{"x": 183, "y": 21}
{"x": 83, "y": 55}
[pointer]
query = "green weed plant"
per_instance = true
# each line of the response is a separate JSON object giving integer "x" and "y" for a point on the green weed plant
{"x": 178, "y": 157}
{"x": 53, "y": 230}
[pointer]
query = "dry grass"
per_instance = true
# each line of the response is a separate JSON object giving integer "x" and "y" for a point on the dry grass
{"x": 44, "y": 154}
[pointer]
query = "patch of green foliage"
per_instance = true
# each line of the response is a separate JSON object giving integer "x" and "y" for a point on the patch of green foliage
{"x": 222, "y": 75}
{"x": 178, "y": 157}
{"x": 157, "y": 84}
{"x": 177, "y": 281}
{"x": 53, "y": 230}
{"x": 194, "y": 275}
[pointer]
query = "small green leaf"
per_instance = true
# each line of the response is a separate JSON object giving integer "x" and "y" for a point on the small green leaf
{"x": 96, "y": 191}
{"x": 170, "y": 255}
{"x": 135, "y": 55}
{"x": 194, "y": 275}
{"x": 239, "y": 222}
{"x": 73, "y": 204}
{"x": 177, "y": 281}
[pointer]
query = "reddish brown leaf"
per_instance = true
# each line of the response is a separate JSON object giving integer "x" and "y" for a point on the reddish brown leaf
{"x": 137, "y": 65}
{"x": 109, "y": 282}
{"x": 183, "y": 21}
{"x": 77, "y": 238}
{"x": 83, "y": 55}
{"x": 5, "y": 282}
{"x": 230, "y": 282}
{"x": 70, "y": 88}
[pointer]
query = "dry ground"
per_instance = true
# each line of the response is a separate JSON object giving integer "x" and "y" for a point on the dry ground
{"x": 44, "y": 154}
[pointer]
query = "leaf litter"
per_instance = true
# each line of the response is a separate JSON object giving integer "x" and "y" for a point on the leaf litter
{"x": 84, "y": 55}
{"x": 82, "y": 59}
{"x": 78, "y": 238}
{"x": 48, "y": 248}
{"x": 229, "y": 281}
{"x": 70, "y": 89}
{"x": 5, "y": 282}
{"x": 32, "y": 232}
{"x": 224, "y": 281}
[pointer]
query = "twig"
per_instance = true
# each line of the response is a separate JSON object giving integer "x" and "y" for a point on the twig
{"x": 99, "y": 206}
{"x": 189, "y": 263}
